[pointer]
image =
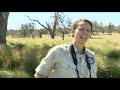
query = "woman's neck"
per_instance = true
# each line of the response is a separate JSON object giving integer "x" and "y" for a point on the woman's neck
{"x": 80, "y": 47}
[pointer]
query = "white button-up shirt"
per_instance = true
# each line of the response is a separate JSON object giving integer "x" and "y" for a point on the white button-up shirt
{"x": 58, "y": 63}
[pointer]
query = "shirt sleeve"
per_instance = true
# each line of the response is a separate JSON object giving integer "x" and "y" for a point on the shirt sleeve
{"x": 46, "y": 63}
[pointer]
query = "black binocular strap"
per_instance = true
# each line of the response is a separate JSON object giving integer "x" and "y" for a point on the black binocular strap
{"x": 75, "y": 60}
{"x": 88, "y": 64}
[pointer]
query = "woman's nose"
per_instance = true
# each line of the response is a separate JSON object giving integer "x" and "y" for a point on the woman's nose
{"x": 85, "y": 32}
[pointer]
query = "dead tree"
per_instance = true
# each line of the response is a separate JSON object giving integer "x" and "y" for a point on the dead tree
{"x": 63, "y": 26}
{"x": 110, "y": 28}
{"x": 49, "y": 27}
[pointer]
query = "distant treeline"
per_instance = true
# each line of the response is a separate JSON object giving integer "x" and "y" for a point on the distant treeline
{"x": 35, "y": 33}
{"x": 27, "y": 31}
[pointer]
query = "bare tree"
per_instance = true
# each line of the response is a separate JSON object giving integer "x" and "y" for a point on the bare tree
{"x": 110, "y": 28}
{"x": 63, "y": 25}
{"x": 119, "y": 29}
{"x": 49, "y": 27}
{"x": 96, "y": 28}
{"x": 40, "y": 33}
{"x": 102, "y": 28}
{"x": 31, "y": 28}
{"x": 3, "y": 26}
{"x": 24, "y": 28}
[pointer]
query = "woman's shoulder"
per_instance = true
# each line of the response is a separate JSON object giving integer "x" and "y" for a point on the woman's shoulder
{"x": 58, "y": 47}
{"x": 88, "y": 51}
{"x": 61, "y": 46}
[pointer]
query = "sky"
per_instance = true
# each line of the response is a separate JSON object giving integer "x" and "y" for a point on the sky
{"x": 16, "y": 19}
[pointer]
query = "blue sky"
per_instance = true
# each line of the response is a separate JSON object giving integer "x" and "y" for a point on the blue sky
{"x": 17, "y": 18}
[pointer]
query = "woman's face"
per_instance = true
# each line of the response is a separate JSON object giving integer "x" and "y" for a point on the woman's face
{"x": 82, "y": 33}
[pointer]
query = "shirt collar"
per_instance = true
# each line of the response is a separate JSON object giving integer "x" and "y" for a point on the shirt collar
{"x": 76, "y": 50}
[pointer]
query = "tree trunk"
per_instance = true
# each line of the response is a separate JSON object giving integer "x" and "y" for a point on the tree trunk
{"x": 40, "y": 35}
{"x": 63, "y": 35}
{"x": 3, "y": 26}
{"x": 53, "y": 35}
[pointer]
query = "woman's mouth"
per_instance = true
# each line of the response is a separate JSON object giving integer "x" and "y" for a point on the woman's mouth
{"x": 83, "y": 37}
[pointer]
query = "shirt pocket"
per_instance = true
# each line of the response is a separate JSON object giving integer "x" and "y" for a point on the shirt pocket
{"x": 93, "y": 72}
{"x": 66, "y": 65}
{"x": 65, "y": 70}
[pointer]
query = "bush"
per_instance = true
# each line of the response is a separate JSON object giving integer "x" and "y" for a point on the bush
{"x": 5, "y": 55}
{"x": 5, "y": 74}
{"x": 20, "y": 74}
{"x": 113, "y": 69}
{"x": 14, "y": 74}
{"x": 19, "y": 46}
{"x": 12, "y": 59}
{"x": 29, "y": 60}
{"x": 113, "y": 54}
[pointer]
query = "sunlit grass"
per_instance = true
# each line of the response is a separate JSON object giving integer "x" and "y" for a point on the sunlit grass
{"x": 38, "y": 41}
{"x": 106, "y": 48}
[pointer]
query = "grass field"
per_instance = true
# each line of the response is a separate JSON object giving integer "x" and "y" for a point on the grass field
{"x": 26, "y": 53}
{"x": 100, "y": 39}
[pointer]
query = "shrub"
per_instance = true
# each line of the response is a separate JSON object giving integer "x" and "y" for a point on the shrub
{"x": 11, "y": 58}
{"x": 113, "y": 69}
{"x": 29, "y": 60}
{"x": 113, "y": 54}
{"x": 14, "y": 74}
{"x": 5, "y": 55}
{"x": 19, "y": 46}
{"x": 5, "y": 74}
{"x": 20, "y": 74}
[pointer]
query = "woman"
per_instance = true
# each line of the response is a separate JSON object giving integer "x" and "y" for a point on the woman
{"x": 70, "y": 61}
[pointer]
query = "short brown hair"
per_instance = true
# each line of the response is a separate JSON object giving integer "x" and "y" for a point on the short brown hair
{"x": 75, "y": 24}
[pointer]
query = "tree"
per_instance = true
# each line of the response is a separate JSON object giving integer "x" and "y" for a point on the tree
{"x": 105, "y": 28}
{"x": 40, "y": 32}
{"x": 50, "y": 27}
{"x": 119, "y": 29}
{"x": 31, "y": 28}
{"x": 24, "y": 28}
{"x": 95, "y": 27}
{"x": 3, "y": 26}
{"x": 102, "y": 28}
{"x": 63, "y": 25}
{"x": 110, "y": 28}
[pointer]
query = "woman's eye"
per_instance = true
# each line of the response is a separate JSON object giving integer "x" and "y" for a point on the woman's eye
{"x": 81, "y": 29}
{"x": 89, "y": 30}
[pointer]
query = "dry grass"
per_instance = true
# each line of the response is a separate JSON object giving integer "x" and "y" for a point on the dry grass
{"x": 102, "y": 45}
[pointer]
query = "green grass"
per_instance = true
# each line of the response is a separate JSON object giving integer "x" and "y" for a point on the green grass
{"x": 24, "y": 54}
{"x": 114, "y": 54}
{"x": 14, "y": 74}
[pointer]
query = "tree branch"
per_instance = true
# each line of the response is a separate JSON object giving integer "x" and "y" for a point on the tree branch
{"x": 37, "y": 22}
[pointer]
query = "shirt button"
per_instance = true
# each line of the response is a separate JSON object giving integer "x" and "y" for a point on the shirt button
{"x": 81, "y": 74}
{"x": 68, "y": 65}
